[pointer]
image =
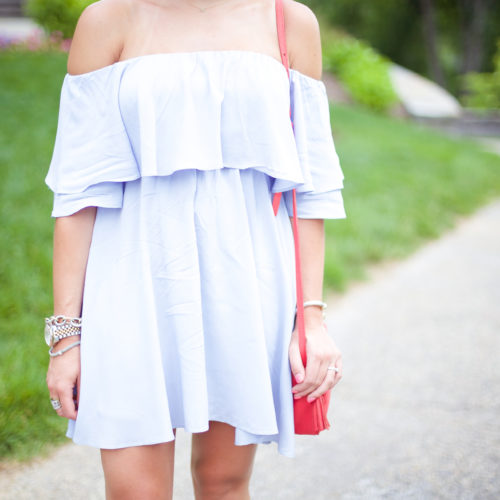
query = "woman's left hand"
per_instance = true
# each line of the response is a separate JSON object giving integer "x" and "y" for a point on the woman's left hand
{"x": 322, "y": 353}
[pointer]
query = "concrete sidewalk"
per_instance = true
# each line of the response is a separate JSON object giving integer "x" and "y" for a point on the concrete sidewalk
{"x": 416, "y": 415}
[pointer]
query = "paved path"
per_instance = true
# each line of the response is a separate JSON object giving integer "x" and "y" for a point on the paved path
{"x": 416, "y": 415}
{"x": 491, "y": 144}
{"x": 422, "y": 97}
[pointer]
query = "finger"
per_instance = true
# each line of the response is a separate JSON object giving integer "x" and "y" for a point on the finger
{"x": 59, "y": 411}
{"x": 311, "y": 380}
{"x": 68, "y": 405}
{"x": 77, "y": 392}
{"x": 332, "y": 377}
{"x": 326, "y": 385}
{"x": 296, "y": 363}
{"x": 323, "y": 372}
{"x": 338, "y": 375}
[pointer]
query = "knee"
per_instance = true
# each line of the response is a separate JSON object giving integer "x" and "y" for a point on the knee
{"x": 143, "y": 489}
{"x": 213, "y": 482}
{"x": 139, "y": 472}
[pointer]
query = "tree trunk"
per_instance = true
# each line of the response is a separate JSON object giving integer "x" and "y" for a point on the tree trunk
{"x": 473, "y": 15}
{"x": 430, "y": 40}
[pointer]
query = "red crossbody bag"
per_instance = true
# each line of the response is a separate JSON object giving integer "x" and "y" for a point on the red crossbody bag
{"x": 309, "y": 418}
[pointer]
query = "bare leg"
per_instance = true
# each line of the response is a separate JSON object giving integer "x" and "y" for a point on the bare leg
{"x": 220, "y": 470}
{"x": 139, "y": 472}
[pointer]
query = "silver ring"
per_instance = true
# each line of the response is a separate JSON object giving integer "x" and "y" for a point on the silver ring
{"x": 56, "y": 404}
{"x": 333, "y": 368}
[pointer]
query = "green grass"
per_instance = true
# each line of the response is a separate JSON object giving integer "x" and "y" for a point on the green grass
{"x": 403, "y": 186}
{"x": 29, "y": 95}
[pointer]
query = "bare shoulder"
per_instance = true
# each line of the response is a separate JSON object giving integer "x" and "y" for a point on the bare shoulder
{"x": 99, "y": 35}
{"x": 303, "y": 38}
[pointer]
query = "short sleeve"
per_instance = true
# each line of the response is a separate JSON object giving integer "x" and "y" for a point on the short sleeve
{"x": 92, "y": 154}
{"x": 321, "y": 197}
{"x": 102, "y": 194}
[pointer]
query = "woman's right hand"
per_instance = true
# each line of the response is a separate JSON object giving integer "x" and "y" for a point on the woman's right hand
{"x": 72, "y": 238}
{"x": 63, "y": 376}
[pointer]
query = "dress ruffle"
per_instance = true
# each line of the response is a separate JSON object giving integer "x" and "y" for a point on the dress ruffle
{"x": 158, "y": 114}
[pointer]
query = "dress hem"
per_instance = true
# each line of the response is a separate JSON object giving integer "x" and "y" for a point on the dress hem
{"x": 258, "y": 439}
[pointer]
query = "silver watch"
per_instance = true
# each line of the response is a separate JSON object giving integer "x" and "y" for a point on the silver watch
{"x": 60, "y": 327}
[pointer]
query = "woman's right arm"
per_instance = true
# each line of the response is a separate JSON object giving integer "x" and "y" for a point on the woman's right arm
{"x": 97, "y": 42}
{"x": 72, "y": 238}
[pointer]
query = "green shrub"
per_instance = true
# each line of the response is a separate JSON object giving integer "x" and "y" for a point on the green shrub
{"x": 483, "y": 89}
{"x": 361, "y": 69}
{"x": 57, "y": 15}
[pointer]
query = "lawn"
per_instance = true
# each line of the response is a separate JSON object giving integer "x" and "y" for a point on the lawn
{"x": 29, "y": 88}
{"x": 403, "y": 186}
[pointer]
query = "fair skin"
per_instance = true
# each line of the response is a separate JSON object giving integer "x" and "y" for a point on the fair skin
{"x": 113, "y": 30}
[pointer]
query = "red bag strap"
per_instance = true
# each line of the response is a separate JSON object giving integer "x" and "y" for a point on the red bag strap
{"x": 280, "y": 22}
{"x": 298, "y": 278}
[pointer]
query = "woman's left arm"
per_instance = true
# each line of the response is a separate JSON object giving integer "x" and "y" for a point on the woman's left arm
{"x": 304, "y": 50}
{"x": 321, "y": 350}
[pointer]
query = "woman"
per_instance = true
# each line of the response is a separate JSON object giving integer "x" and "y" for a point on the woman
{"x": 174, "y": 133}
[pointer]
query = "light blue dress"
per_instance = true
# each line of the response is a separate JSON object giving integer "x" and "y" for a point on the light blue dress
{"x": 189, "y": 296}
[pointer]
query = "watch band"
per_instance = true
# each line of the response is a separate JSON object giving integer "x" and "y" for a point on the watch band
{"x": 59, "y": 327}
{"x": 57, "y": 337}
{"x": 61, "y": 320}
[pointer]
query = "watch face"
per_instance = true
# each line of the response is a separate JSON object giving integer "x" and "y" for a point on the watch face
{"x": 48, "y": 335}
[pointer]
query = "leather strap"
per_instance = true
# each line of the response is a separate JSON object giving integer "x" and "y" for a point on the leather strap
{"x": 280, "y": 22}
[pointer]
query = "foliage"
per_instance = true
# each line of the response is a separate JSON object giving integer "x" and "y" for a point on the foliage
{"x": 395, "y": 28}
{"x": 403, "y": 186}
{"x": 57, "y": 15}
{"x": 484, "y": 88}
{"x": 392, "y": 27}
{"x": 361, "y": 69}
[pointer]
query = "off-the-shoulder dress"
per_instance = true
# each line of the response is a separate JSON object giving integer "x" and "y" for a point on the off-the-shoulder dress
{"x": 189, "y": 297}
